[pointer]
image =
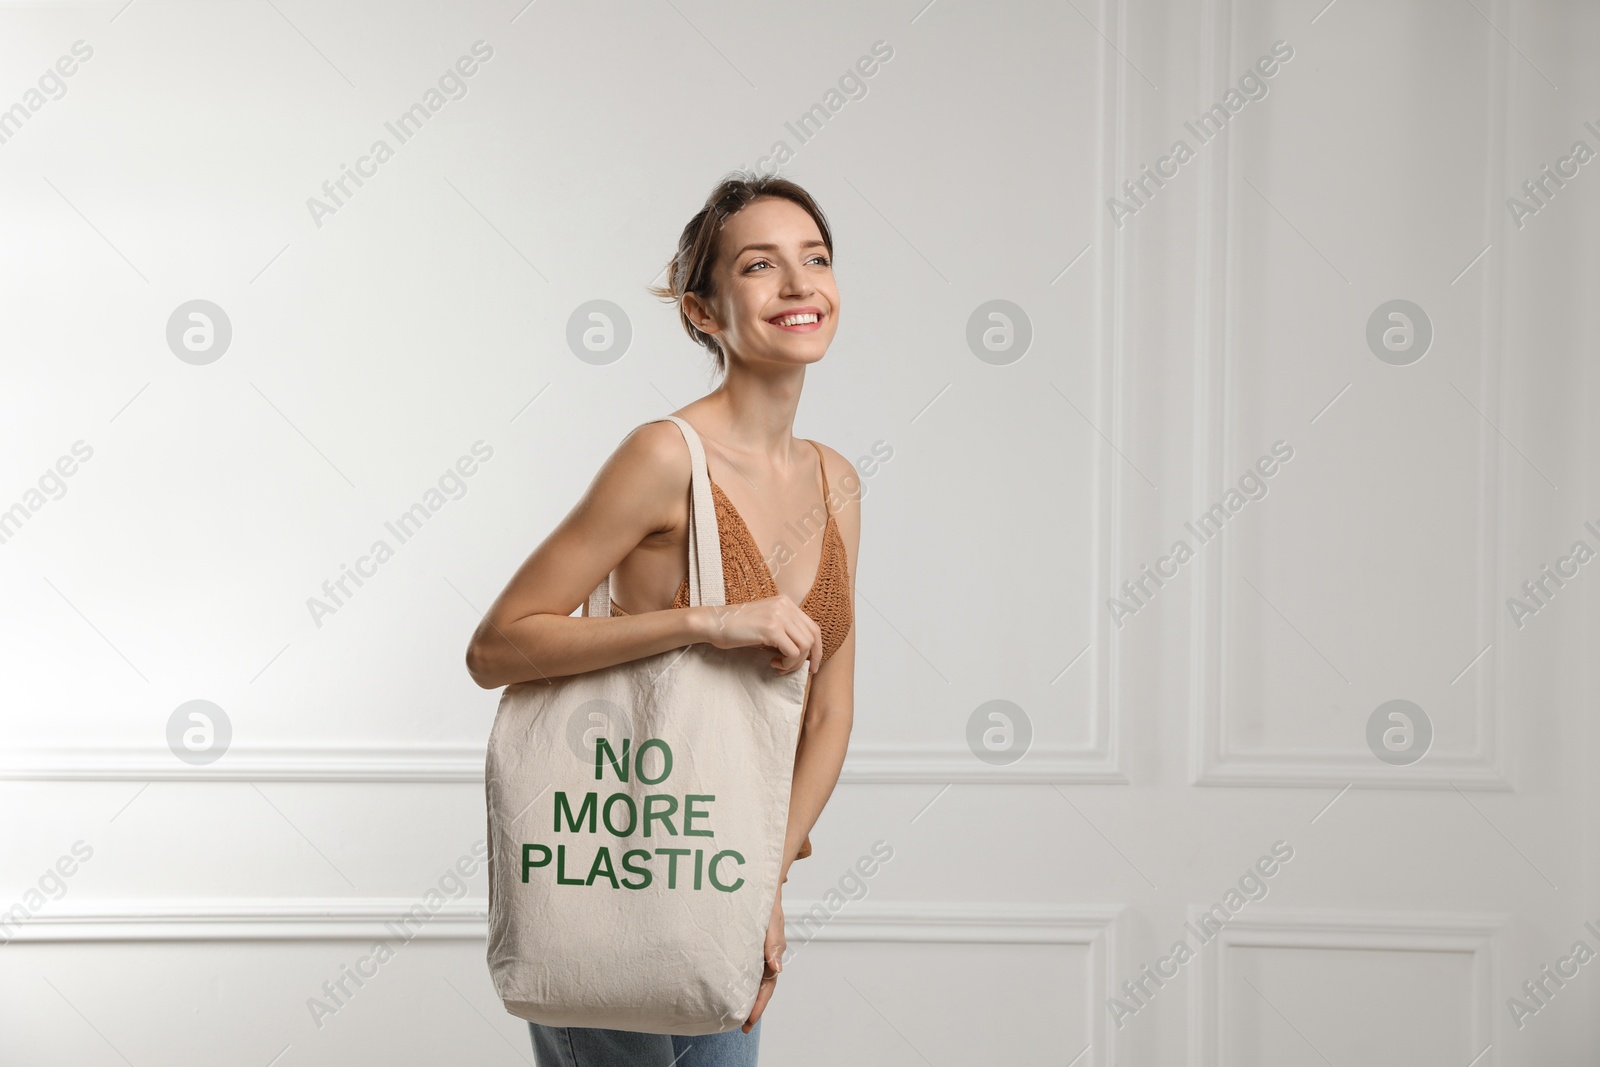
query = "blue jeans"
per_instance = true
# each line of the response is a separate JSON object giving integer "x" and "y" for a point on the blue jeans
{"x": 579, "y": 1046}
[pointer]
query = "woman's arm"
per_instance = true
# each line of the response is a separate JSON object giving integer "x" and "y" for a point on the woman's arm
{"x": 830, "y": 706}
{"x": 529, "y": 632}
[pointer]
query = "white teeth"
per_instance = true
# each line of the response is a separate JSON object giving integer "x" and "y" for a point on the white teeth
{"x": 795, "y": 320}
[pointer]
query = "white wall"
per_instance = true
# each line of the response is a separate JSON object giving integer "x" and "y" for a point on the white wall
{"x": 1170, "y": 347}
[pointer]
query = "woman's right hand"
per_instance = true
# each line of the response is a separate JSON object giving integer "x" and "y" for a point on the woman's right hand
{"x": 775, "y": 623}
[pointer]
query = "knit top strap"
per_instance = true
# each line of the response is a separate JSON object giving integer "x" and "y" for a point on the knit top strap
{"x": 822, "y": 464}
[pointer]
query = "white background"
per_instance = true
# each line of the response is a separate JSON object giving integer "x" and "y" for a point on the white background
{"x": 1167, "y": 754}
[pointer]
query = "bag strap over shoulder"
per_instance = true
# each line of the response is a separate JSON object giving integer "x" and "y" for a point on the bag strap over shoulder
{"x": 706, "y": 584}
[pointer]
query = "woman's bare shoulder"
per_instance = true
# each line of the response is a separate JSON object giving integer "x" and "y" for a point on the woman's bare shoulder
{"x": 648, "y": 471}
{"x": 657, "y": 446}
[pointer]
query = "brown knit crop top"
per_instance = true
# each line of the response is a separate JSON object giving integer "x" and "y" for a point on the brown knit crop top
{"x": 748, "y": 577}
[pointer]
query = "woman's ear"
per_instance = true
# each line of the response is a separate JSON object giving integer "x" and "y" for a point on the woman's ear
{"x": 700, "y": 315}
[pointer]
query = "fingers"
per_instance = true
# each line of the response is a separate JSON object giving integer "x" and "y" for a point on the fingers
{"x": 788, "y": 656}
{"x": 775, "y": 949}
{"x": 792, "y": 643}
{"x": 763, "y": 995}
{"x": 799, "y": 641}
{"x": 772, "y": 962}
{"x": 793, "y": 636}
{"x": 777, "y": 943}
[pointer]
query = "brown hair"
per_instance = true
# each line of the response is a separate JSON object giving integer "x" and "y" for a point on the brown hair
{"x": 689, "y": 270}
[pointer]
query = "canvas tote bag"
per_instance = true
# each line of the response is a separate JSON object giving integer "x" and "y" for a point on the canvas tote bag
{"x": 636, "y": 823}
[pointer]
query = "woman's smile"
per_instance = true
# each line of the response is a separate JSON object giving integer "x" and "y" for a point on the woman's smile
{"x": 806, "y": 319}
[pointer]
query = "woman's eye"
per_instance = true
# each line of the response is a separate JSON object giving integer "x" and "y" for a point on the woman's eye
{"x": 763, "y": 263}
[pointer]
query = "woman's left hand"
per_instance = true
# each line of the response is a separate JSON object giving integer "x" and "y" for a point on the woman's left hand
{"x": 772, "y": 962}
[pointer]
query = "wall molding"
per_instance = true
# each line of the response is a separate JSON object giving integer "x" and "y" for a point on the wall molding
{"x": 1112, "y": 263}
{"x": 365, "y": 919}
{"x": 466, "y": 919}
{"x": 1478, "y": 935}
{"x": 984, "y": 922}
{"x": 444, "y": 764}
{"x": 248, "y": 919}
{"x": 1288, "y": 769}
{"x": 1212, "y": 760}
{"x": 1091, "y": 927}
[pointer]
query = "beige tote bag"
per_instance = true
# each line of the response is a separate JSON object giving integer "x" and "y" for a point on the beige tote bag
{"x": 636, "y": 824}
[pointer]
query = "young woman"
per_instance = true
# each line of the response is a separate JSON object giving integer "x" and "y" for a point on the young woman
{"x": 753, "y": 280}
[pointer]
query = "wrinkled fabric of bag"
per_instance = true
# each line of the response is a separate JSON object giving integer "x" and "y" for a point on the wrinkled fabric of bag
{"x": 658, "y": 959}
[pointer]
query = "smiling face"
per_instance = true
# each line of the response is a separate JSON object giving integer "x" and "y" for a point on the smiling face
{"x": 773, "y": 297}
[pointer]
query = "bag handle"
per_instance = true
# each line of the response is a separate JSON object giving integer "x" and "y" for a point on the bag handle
{"x": 706, "y": 584}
